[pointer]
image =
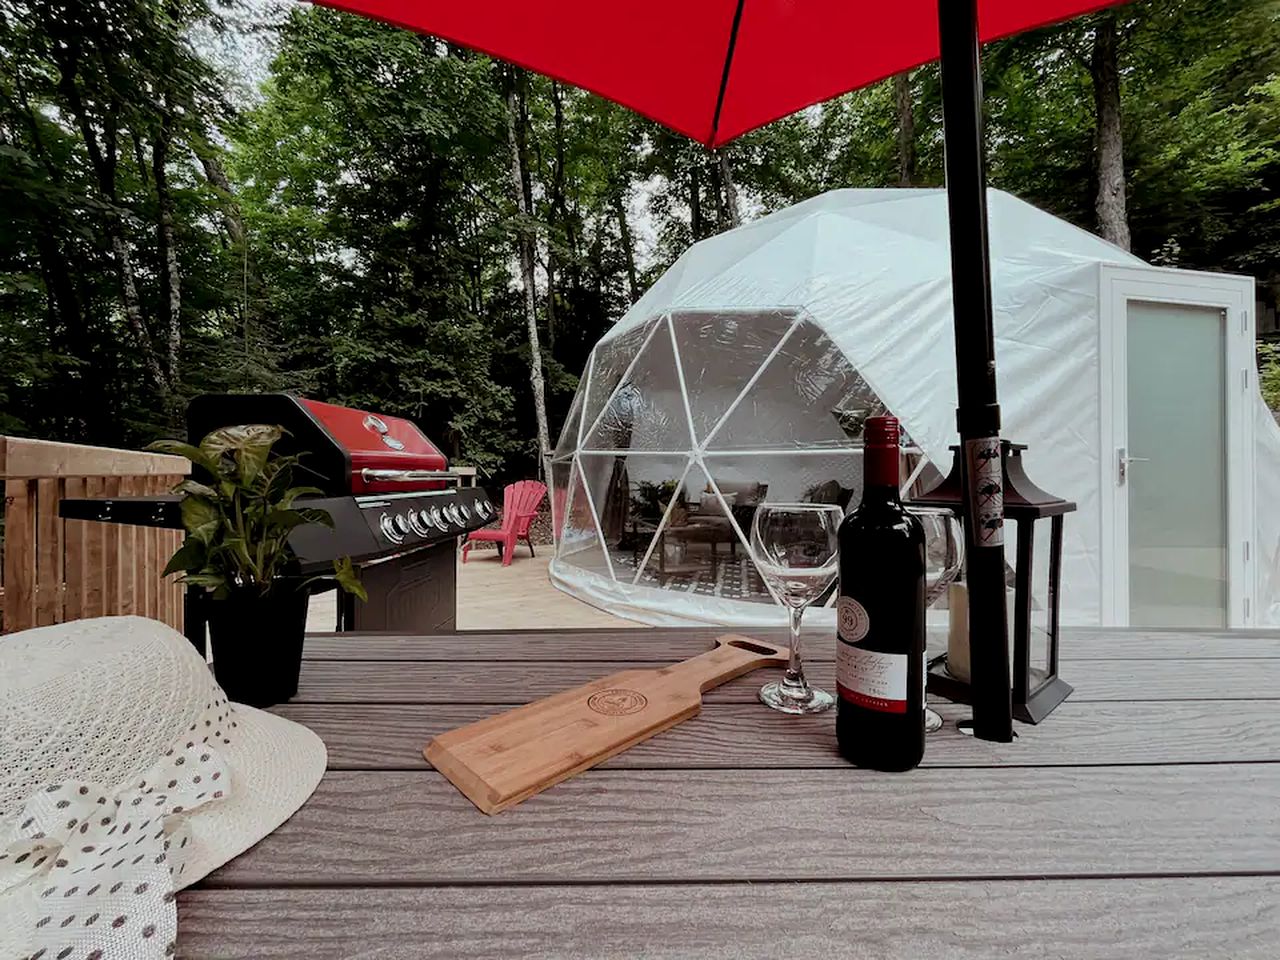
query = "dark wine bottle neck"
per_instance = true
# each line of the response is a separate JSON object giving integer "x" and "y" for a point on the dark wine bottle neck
{"x": 880, "y": 493}
{"x": 880, "y": 473}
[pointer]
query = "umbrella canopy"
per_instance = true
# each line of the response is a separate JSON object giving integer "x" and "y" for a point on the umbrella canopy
{"x": 710, "y": 69}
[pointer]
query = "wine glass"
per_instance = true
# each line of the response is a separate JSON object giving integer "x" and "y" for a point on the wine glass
{"x": 943, "y": 557}
{"x": 795, "y": 547}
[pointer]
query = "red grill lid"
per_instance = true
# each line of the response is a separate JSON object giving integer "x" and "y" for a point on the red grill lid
{"x": 378, "y": 442}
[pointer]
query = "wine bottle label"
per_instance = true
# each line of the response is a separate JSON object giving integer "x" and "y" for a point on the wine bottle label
{"x": 866, "y": 678}
{"x": 852, "y": 621}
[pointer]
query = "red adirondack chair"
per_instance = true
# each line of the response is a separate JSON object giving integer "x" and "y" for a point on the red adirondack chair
{"x": 520, "y": 502}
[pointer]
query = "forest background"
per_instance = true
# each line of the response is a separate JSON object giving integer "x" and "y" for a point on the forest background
{"x": 198, "y": 196}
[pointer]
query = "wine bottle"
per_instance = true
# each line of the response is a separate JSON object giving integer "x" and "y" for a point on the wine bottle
{"x": 880, "y": 617}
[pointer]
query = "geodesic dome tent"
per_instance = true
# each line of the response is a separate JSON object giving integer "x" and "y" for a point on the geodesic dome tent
{"x": 745, "y": 373}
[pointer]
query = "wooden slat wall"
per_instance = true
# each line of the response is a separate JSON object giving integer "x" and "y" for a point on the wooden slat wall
{"x": 56, "y": 570}
{"x": 19, "y": 554}
{"x": 48, "y": 552}
{"x": 74, "y": 563}
{"x": 95, "y": 594}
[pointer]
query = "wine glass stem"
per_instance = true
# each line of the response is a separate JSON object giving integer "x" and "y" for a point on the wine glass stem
{"x": 795, "y": 668}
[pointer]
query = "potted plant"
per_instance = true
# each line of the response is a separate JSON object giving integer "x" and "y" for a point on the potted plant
{"x": 238, "y": 512}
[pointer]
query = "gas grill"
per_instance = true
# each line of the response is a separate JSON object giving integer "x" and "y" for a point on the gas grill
{"x": 397, "y": 510}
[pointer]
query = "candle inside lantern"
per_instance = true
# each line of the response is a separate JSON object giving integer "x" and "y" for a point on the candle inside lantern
{"x": 958, "y": 629}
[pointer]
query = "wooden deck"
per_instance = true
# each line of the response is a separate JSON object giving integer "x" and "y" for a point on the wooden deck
{"x": 494, "y": 597}
{"x": 1142, "y": 819}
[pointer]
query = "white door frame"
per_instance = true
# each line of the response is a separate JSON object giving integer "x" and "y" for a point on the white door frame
{"x": 1118, "y": 286}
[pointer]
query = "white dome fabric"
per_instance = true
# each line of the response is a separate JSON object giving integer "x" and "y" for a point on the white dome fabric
{"x": 746, "y": 370}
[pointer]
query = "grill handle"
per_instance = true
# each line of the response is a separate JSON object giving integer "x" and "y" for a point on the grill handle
{"x": 370, "y": 475}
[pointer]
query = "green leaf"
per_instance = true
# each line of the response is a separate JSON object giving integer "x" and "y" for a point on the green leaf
{"x": 201, "y": 518}
{"x": 180, "y": 449}
{"x": 187, "y": 558}
{"x": 250, "y": 444}
{"x": 345, "y": 573}
{"x": 316, "y": 515}
{"x": 215, "y": 582}
{"x": 196, "y": 488}
{"x": 287, "y": 498}
{"x": 230, "y": 439}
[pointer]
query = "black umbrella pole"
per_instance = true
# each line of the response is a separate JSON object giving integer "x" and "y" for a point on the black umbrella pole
{"x": 977, "y": 413}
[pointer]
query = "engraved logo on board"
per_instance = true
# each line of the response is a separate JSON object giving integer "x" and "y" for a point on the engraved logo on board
{"x": 617, "y": 702}
{"x": 852, "y": 621}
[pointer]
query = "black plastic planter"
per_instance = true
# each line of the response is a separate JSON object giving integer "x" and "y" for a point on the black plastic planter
{"x": 257, "y": 645}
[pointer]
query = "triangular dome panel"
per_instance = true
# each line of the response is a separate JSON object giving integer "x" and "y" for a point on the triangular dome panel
{"x": 647, "y": 408}
{"x": 807, "y": 396}
{"x": 719, "y": 354}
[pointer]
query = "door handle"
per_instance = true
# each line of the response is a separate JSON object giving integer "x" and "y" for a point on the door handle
{"x": 1122, "y": 464}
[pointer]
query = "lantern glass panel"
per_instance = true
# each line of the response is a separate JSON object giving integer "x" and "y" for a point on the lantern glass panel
{"x": 1038, "y": 651}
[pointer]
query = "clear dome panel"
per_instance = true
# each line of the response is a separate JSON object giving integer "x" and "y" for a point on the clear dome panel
{"x": 646, "y": 411}
{"x": 580, "y": 535}
{"x": 790, "y": 477}
{"x": 568, "y": 441}
{"x": 634, "y": 492}
{"x": 700, "y": 548}
{"x": 720, "y": 351}
{"x": 807, "y": 396}
{"x": 610, "y": 362}
{"x": 562, "y": 472}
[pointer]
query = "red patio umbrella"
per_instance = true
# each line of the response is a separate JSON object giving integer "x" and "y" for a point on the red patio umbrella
{"x": 714, "y": 69}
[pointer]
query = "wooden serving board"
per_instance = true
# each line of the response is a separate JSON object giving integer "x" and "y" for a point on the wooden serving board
{"x": 501, "y": 760}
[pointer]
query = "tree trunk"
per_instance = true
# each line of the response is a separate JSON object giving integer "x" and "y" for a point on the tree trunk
{"x": 104, "y": 158}
{"x": 525, "y": 243}
{"x": 906, "y": 129}
{"x": 170, "y": 275}
{"x": 628, "y": 245}
{"x": 730, "y": 190}
{"x": 63, "y": 302}
{"x": 1113, "y": 218}
{"x": 132, "y": 306}
{"x": 551, "y": 297}
{"x": 695, "y": 203}
{"x": 232, "y": 222}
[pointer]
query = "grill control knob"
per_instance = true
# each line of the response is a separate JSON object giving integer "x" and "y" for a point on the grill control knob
{"x": 388, "y": 529}
{"x": 436, "y": 519}
{"x": 402, "y": 523}
{"x": 485, "y": 508}
{"x": 466, "y": 512}
{"x": 418, "y": 520}
{"x": 454, "y": 515}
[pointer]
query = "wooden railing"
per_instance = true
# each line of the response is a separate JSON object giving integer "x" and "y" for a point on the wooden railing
{"x": 56, "y": 570}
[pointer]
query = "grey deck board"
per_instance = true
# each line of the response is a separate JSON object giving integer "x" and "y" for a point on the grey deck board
{"x": 667, "y": 645}
{"x": 391, "y": 736}
{"x": 1236, "y": 917}
{"x": 1141, "y": 819}
{"x": 755, "y": 825}
{"x": 494, "y": 682}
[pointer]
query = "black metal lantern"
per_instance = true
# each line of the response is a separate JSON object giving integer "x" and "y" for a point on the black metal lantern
{"x": 1037, "y": 688}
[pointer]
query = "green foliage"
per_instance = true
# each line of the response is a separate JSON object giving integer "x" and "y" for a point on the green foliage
{"x": 350, "y": 233}
{"x": 1269, "y": 373}
{"x": 238, "y": 522}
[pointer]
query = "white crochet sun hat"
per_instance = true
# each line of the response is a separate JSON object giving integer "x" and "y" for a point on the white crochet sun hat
{"x": 125, "y": 775}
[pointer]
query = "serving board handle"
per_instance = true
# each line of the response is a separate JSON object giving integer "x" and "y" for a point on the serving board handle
{"x": 731, "y": 657}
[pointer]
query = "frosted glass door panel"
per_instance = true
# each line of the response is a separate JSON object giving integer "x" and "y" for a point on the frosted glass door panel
{"x": 1177, "y": 477}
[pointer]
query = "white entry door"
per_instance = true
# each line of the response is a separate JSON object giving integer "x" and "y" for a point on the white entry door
{"x": 1178, "y": 369}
